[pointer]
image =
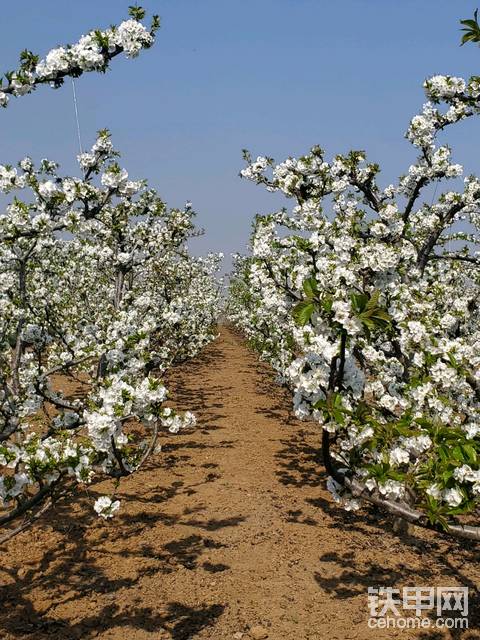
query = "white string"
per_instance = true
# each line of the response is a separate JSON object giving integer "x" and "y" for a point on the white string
{"x": 76, "y": 117}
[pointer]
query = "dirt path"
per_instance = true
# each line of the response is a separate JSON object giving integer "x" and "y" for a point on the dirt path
{"x": 229, "y": 528}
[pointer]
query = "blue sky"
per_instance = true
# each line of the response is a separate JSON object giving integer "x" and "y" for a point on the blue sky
{"x": 273, "y": 76}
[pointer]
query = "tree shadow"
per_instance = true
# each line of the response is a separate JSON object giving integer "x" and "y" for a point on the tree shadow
{"x": 72, "y": 572}
{"x": 204, "y": 400}
{"x": 348, "y": 575}
{"x": 179, "y": 622}
{"x": 300, "y": 463}
{"x": 76, "y": 565}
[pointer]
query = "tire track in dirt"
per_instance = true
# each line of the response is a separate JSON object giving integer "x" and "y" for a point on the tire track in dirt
{"x": 227, "y": 529}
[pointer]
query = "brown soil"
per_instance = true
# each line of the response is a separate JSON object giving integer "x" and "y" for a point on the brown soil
{"x": 228, "y": 529}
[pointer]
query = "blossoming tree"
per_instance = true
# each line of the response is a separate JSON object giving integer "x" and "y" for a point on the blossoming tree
{"x": 366, "y": 301}
{"x": 98, "y": 295}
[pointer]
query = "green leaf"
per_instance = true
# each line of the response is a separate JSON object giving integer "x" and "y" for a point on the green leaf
{"x": 471, "y": 28}
{"x": 467, "y": 37}
{"x": 136, "y": 12}
{"x": 334, "y": 407}
{"x": 359, "y": 301}
{"x": 373, "y": 302}
{"x": 457, "y": 453}
{"x": 447, "y": 475}
{"x": 362, "y": 411}
{"x": 470, "y": 452}
{"x": 371, "y": 315}
{"x": 327, "y": 304}
{"x": 380, "y": 314}
{"x": 452, "y": 360}
{"x": 443, "y": 454}
{"x": 302, "y": 312}
{"x": 310, "y": 286}
{"x": 469, "y": 23}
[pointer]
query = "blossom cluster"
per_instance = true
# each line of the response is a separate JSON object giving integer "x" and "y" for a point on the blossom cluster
{"x": 93, "y": 52}
{"x": 366, "y": 302}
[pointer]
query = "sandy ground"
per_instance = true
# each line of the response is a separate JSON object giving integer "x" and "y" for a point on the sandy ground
{"x": 228, "y": 530}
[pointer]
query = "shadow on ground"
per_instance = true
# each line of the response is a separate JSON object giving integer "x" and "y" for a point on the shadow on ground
{"x": 74, "y": 570}
{"x": 107, "y": 565}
